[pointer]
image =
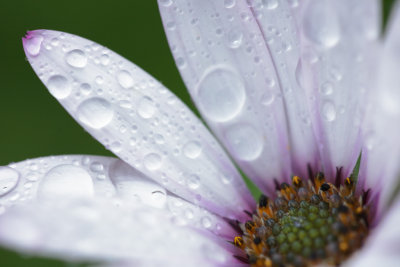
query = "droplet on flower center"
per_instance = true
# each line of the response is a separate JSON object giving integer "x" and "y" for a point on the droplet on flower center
{"x": 308, "y": 223}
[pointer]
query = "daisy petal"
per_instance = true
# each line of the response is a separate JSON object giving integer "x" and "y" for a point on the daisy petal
{"x": 224, "y": 60}
{"x": 338, "y": 49}
{"x": 383, "y": 245}
{"x": 86, "y": 177}
{"x": 382, "y": 128}
{"x": 138, "y": 119}
{"x": 95, "y": 230}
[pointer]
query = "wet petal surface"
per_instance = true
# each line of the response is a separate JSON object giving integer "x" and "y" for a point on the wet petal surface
{"x": 87, "y": 207}
{"x": 138, "y": 119}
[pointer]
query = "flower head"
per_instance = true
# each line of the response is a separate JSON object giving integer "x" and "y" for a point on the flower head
{"x": 290, "y": 92}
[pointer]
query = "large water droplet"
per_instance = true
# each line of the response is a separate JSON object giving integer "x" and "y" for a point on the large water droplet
{"x": 192, "y": 149}
{"x": 125, "y": 79}
{"x": 76, "y": 58}
{"x": 244, "y": 141}
{"x": 146, "y": 107}
{"x": 59, "y": 86}
{"x": 32, "y": 44}
{"x": 66, "y": 181}
{"x": 235, "y": 38}
{"x": 152, "y": 161}
{"x": 221, "y": 94}
{"x": 329, "y": 111}
{"x": 95, "y": 112}
{"x": 321, "y": 24}
{"x": 8, "y": 179}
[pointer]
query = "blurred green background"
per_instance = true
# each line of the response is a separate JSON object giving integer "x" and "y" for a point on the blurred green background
{"x": 33, "y": 124}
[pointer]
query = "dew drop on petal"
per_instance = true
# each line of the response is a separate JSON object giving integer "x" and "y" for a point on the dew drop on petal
{"x": 66, "y": 181}
{"x": 9, "y": 179}
{"x": 235, "y": 38}
{"x": 59, "y": 86}
{"x": 146, "y": 107}
{"x": 32, "y": 44}
{"x": 96, "y": 167}
{"x": 321, "y": 24}
{"x": 244, "y": 141}
{"x": 229, "y": 3}
{"x": 95, "y": 112}
{"x": 193, "y": 181}
{"x": 206, "y": 222}
{"x": 221, "y": 94}
{"x": 125, "y": 79}
{"x": 270, "y": 4}
{"x": 267, "y": 98}
{"x": 329, "y": 111}
{"x": 165, "y": 2}
{"x": 192, "y": 149}
{"x": 326, "y": 88}
{"x": 152, "y": 161}
{"x": 76, "y": 58}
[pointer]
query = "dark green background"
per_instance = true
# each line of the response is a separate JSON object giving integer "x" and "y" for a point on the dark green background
{"x": 32, "y": 123}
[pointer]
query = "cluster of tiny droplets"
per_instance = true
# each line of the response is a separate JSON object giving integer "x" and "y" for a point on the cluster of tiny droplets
{"x": 308, "y": 223}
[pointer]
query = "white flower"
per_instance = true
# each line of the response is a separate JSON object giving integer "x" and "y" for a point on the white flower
{"x": 287, "y": 87}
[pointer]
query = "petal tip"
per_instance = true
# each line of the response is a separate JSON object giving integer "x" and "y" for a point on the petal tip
{"x": 32, "y": 42}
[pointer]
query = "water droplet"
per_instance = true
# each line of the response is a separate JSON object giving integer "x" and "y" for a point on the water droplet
{"x": 329, "y": 111}
{"x": 235, "y": 38}
{"x": 206, "y": 222}
{"x": 229, "y": 3}
{"x": 326, "y": 88}
{"x": 146, "y": 107}
{"x": 180, "y": 62}
{"x": 125, "y": 79}
{"x": 66, "y": 181}
{"x": 193, "y": 181}
{"x": 96, "y": 167}
{"x": 116, "y": 147}
{"x": 32, "y": 44}
{"x": 171, "y": 25}
{"x": 267, "y": 98}
{"x": 321, "y": 24}
{"x": 9, "y": 179}
{"x": 192, "y": 149}
{"x": 152, "y": 161}
{"x": 95, "y": 112}
{"x": 270, "y": 4}
{"x": 221, "y": 94}
{"x": 105, "y": 59}
{"x": 76, "y": 58}
{"x": 244, "y": 141}
{"x": 165, "y": 2}
{"x": 59, "y": 86}
{"x": 85, "y": 88}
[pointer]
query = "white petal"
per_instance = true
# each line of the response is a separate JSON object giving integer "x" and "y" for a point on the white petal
{"x": 383, "y": 244}
{"x": 382, "y": 130}
{"x": 224, "y": 60}
{"x": 58, "y": 178}
{"x": 138, "y": 119}
{"x": 339, "y": 41}
{"x": 103, "y": 231}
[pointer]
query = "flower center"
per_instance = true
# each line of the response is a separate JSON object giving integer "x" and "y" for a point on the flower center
{"x": 310, "y": 222}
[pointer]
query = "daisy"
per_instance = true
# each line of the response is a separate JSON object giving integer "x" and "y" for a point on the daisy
{"x": 291, "y": 94}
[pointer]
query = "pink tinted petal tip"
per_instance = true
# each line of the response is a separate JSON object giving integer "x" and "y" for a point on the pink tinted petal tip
{"x": 32, "y": 42}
